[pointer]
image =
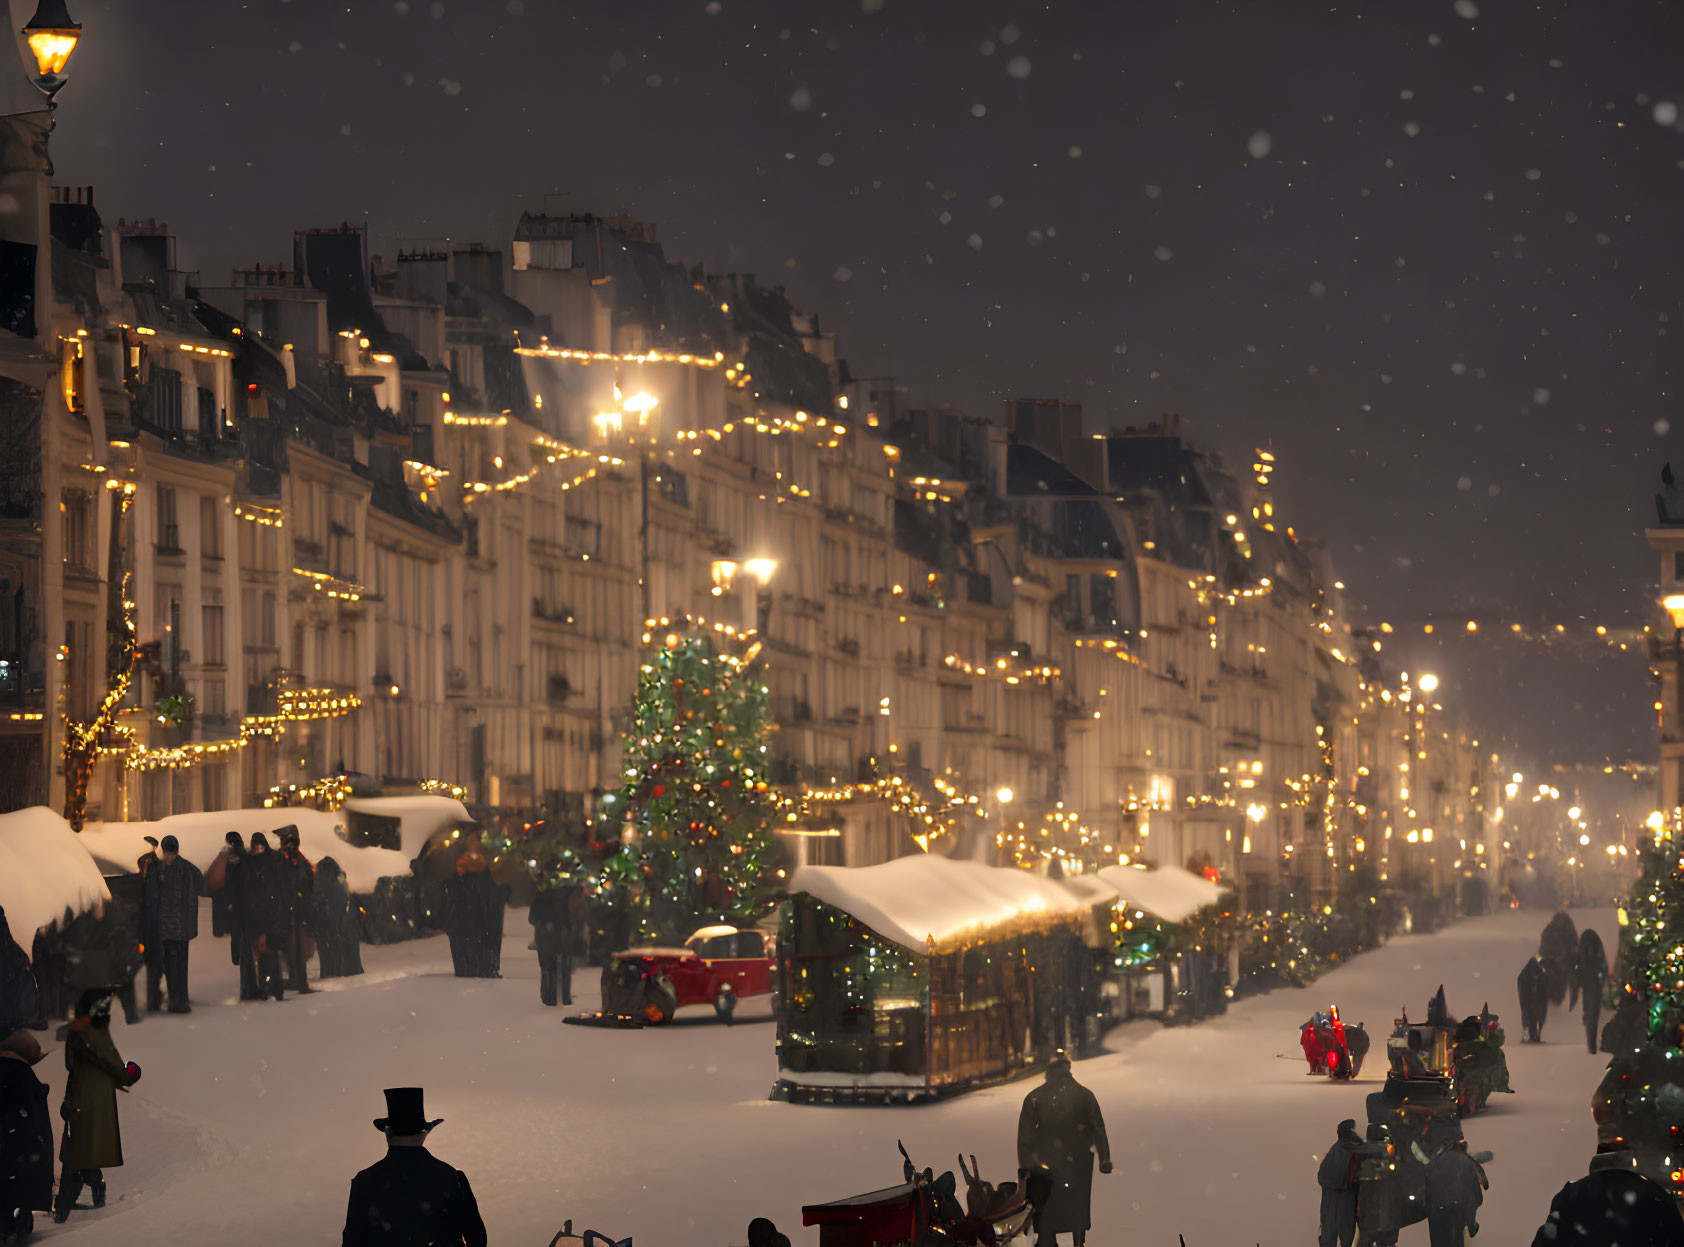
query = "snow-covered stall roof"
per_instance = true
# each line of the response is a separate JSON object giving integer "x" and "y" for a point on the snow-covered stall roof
{"x": 118, "y": 846}
{"x": 44, "y": 870}
{"x": 913, "y": 900}
{"x": 420, "y": 818}
{"x": 1169, "y": 892}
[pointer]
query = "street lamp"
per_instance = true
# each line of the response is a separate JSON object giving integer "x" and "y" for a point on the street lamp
{"x": 1674, "y": 606}
{"x": 52, "y": 38}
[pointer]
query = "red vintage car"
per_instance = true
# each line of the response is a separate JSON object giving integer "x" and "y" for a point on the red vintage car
{"x": 717, "y": 966}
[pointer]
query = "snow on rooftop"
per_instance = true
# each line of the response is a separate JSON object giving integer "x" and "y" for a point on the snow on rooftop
{"x": 1168, "y": 893}
{"x": 422, "y": 817}
{"x": 913, "y": 900}
{"x": 44, "y": 870}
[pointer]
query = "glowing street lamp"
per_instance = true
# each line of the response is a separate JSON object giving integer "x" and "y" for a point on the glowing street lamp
{"x": 1427, "y": 683}
{"x": 1674, "y": 605}
{"x": 761, "y": 569}
{"x": 1004, "y": 796}
{"x": 52, "y": 38}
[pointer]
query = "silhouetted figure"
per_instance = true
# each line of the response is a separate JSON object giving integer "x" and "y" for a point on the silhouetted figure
{"x": 1593, "y": 981}
{"x": 20, "y": 997}
{"x": 1669, "y": 503}
{"x": 169, "y": 918}
{"x": 151, "y": 956}
{"x": 335, "y": 922}
{"x": 1612, "y": 1204}
{"x": 410, "y": 1198}
{"x": 762, "y": 1233}
{"x": 1534, "y": 1000}
{"x": 92, "y": 1140}
{"x": 1061, "y": 1127}
{"x": 1379, "y": 1194}
{"x": 1338, "y": 1180}
{"x": 554, "y": 916}
{"x": 264, "y": 879}
{"x": 301, "y": 881}
{"x": 1456, "y": 1186}
{"x": 217, "y": 884}
{"x": 474, "y": 913}
{"x": 26, "y": 1137}
{"x": 1559, "y": 947}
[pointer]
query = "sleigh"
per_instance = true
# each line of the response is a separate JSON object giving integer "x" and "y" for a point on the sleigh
{"x": 923, "y": 1211}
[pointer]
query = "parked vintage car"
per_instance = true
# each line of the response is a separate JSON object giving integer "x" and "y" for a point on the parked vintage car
{"x": 717, "y": 966}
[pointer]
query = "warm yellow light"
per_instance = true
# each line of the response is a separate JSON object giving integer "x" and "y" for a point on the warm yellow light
{"x": 1674, "y": 604}
{"x": 1584, "y": 839}
{"x": 1428, "y": 683}
{"x": 1004, "y": 796}
{"x": 1655, "y": 821}
{"x": 761, "y": 569}
{"x": 52, "y": 38}
{"x": 1573, "y": 812}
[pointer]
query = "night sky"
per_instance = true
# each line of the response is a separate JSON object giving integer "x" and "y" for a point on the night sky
{"x": 1427, "y": 251}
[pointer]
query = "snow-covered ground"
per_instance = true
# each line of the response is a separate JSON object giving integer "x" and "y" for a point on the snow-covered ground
{"x": 251, "y": 1119}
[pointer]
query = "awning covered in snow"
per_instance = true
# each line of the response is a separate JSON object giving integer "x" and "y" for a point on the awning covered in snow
{"x": 916, "y": 900}
{"x": 44, "y": 870}
{"x": 1168, "y": 893}
{"x": 117, "y": 846}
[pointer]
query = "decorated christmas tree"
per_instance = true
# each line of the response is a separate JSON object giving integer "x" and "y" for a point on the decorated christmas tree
{"x": 1641, "y": 1099}
{"x": 696, "y": 810}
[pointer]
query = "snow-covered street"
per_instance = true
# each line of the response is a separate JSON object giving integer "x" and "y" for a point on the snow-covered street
{"x": 251, "y": 1119}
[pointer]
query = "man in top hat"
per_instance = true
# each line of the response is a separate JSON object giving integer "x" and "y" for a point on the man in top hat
{"x": 1059, "y": 1129}
{"x": 411, "y": 1199}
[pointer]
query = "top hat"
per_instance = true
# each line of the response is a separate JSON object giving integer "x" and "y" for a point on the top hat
{"x": 404, "y": 1113}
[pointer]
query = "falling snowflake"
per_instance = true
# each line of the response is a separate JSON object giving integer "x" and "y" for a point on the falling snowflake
{"x": 1666, "y": 113}
{"x": 1152, "y": 192}
{"x": 1317, "y": 289}
{"x": 1018, "y": 67}
{"x": 1074, "y": 152}
{"x": 974, "y": 242}
{"x": 1464, "y": 483}
{"x": 979, "y": 110}
{"x": 713, "y": 8}
{"x": 1663, "y": 426}
{"x": 1541, "y": 395}
{"x": 1458, "y": 369}
{"x": 801, "y": 100}
{"x": 451, "y": 87}
{"x": 1412, "y": 128}
{"x": 1035, "y": 238}
{"x": 1466, "y": 9}
{"x": 1532, "y": 175}
{"x": 1259, "y": 144}
{"x": 1163, "y": 253}
{"x": 826, "y": 160}
{"x": 996, "y": 201}
{"x": 1010, "y": 35}
{"x": 843, "y": 273}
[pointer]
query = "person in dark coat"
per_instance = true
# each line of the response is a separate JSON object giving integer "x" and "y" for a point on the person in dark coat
{"x": 335, "y": 922}
{"x": 1456, "y": 1186}
{"x": 151, "y": 956}
{"x": 1379, "y": 1194}
{"x": 1534, "y": 1001}
{"x": 169, "y": 918}
{"x": 1338, "y": 1180}
{"x": 26, "y": 1137}
{"x": 216, "y": 883}
{"x": 265, "y": 921}
{"x": 1612, "y": 1204}
{"x": 473, "y": 902}
{"x": 410, "y": 1198}
{"x": 1061, "y": 1127}
{"x": 301, "y": 881}
{"x": 92, "y": 1140}
{"x": 1593, "y": 981}
{"x": 763, "y": 1233}
{"x": 1559, "y": 947}
{"x": 554, "y": 917}
{"x": 20, "y": 995}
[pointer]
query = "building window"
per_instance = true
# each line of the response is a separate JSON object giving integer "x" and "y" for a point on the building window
{"x": 163, "y": 398}
{"x": 210, "y": 527}
{"x": 78, "y": 532}
{"x": 212, "y": 623}
{"x": 169, "y": 532}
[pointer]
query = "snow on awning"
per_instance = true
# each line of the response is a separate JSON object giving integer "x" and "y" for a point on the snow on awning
{"x": 44, "y": 870}
{"x": 1168, "y": 893}
{"x": 914, "y": 900}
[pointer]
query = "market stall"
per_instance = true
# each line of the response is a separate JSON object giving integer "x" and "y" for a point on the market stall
{"x": 926, "y": 976}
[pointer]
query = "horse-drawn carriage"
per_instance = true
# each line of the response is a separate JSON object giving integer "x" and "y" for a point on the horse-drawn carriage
{"x": 1331, "y": 1047}
{"x": 1464, "y": 1058}
{"x": 924, "y": 1210}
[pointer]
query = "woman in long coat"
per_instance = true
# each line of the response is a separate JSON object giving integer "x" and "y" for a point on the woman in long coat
{"x": 92, "y": 1139}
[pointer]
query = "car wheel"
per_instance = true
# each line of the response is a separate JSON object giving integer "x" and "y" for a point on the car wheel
{"x": 725, "y": 1004}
